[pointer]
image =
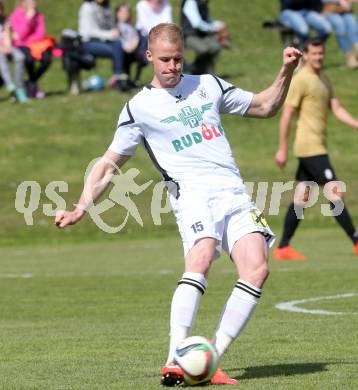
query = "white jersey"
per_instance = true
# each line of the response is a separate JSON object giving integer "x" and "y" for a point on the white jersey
{"x": 182, "y": 131}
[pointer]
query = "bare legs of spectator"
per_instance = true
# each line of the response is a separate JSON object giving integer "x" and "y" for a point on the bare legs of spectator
{"x": 346, "y": 29}
{"x": 18, "y": 87}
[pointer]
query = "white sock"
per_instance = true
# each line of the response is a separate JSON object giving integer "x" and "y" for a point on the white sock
{"x": 185, "y": 304}
{"x": 236, "y": 314}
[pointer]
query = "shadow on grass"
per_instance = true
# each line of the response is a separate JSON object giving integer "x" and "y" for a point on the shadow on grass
{"x": 56, "y": 93}
{"x": 277, "y": 370}
{"x": 281, "y": 370}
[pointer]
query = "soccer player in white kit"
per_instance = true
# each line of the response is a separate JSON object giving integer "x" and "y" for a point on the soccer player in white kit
{"x": 177, "y": 117}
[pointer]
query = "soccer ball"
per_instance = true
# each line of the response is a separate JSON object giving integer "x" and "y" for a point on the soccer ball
{"x": 198, "y": 359}
{"x": 94, "y": 83}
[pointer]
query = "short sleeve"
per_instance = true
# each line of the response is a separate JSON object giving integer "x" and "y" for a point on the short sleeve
{"x": 234, "y": 100}
{"x": 295, "y": 93}
{"x": 128, "y": 134}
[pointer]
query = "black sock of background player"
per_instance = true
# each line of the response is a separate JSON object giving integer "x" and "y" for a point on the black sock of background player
{"x": 346, "y": 223}
{"x": 289, "y": 226}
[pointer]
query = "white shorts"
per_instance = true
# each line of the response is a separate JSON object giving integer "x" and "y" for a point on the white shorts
{"x": 226, "y": 215}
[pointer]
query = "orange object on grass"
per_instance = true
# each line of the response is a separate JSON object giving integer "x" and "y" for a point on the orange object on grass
{"x": 38, "y": 47}
{"x": 220, "y": 378}
{"x": 287, "y": 253}
{"x": 355, "y": 248}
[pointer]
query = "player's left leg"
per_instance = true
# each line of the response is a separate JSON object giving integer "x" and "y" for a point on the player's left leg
{"x": 323, "y": 173}
{"x": 186, "y": 301}
{"x": 340, "y": 212}
{"x": 250, "y": 255}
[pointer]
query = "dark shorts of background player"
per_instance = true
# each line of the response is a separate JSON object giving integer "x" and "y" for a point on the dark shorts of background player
{"x": 315, "y": 168}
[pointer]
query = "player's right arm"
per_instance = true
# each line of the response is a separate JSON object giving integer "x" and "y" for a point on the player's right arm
{"x": 96, "y": 183}
{"x": 267, "y": 102}
{"x": 281, "y": 156}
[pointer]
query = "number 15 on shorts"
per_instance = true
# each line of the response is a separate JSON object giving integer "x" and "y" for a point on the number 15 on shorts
{"x": 197, "y": 227}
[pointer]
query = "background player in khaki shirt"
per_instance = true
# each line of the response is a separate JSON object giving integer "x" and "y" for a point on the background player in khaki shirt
{"x": 311, "y": 97}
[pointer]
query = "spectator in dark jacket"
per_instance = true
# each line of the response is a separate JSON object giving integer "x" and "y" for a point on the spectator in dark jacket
{"x": 200, "y": 34}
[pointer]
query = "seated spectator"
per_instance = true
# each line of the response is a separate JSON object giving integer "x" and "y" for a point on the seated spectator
{"x": 130, "y": 38}
{"x": 201, "y": 34}
{"x": 339, "y": 14}
{"x": 28, "y": 26}
{"x": 74, "y": 59}
{"x": 7, "y": 52}
{"x": 152, "y": 12}
{"x": 301, "y": 15}
{"x": 101, "y": 38}
{"x": 149, "y": 14}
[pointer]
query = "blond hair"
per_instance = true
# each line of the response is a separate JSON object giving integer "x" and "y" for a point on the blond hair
{"x": 167, "y": 31}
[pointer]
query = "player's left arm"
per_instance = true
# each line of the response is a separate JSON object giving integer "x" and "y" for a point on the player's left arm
{"x": 266, "y": 103}
{"x": 342, "y": 114}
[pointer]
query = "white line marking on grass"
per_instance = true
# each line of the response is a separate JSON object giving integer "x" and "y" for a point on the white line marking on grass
{"x": 291, "y": 305}
{"x": 66, "y": 275}
{"x": 6, "y": 275}
{"x": 37, "y": 251}
{"x": 15, "y": 276}
{"x": 166, "y": 272}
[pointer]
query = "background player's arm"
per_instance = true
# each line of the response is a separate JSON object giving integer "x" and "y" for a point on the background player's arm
{"x": 281, "y": 156}
{"x": 342, "y": 114}
{"x": 266, "y": 103}
{"x": 96, "y": 183}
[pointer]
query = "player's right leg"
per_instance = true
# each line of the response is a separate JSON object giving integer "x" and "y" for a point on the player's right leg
{"x": 334, "y": 192}
{"x": 185, "y": 302}
{"x": 250, "y": 255}
{"x": 172, "y": 375}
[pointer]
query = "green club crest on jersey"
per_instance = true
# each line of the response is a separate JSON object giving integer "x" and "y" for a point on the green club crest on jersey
{"x": 189, "y": 116}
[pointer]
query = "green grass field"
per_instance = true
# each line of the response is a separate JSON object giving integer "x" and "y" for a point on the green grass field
{"x": 94, "y": 316}
{"x": 84, "y": 309}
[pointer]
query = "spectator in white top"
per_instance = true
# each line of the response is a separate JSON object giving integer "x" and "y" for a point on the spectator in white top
{"x": 101, "y": 38}
{"x": 152, "y": 12}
